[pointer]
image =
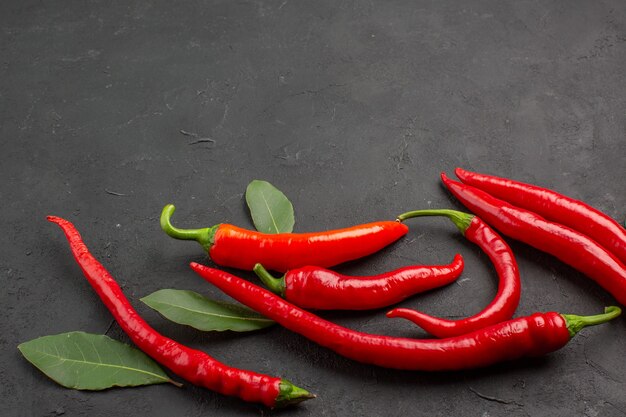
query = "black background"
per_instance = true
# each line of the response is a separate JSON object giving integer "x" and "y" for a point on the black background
{"x": 352, "y": 109}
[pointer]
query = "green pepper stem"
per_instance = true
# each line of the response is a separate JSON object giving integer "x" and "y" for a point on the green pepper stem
{"x": 290, "y": 394}
{"x": 460, "y": 219}
{"x": 276, "y": 285}
{"x": 577, "y": 323}
{"x": 203, "y": 236}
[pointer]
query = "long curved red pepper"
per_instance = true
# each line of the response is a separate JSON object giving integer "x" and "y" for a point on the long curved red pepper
{"x": 554, "y": 207}
{"x": 193, "y": 365}
{"x": 570, "y": 246}
{"x": 233, "y": 246}
{"x": 502, "y": 307}
{"x": 318, "y": 288}
{"x": 535, "y": 335}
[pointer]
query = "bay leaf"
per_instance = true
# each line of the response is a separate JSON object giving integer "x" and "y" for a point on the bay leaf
{"x": 195, "y": 310}
{"x": 271, "y": 210}
{"x": 88, "y": 361}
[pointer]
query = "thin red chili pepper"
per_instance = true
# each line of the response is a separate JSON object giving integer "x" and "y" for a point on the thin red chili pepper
{"x": 193, "y": 365}
{"x": 554, "y": 207}
{"x": 535, "y": 335}
{"x": 232, "y": 246}
{"x": 570, "y": 246}
{"x": 322, "y": 289}
{"x": 502, "y": 307}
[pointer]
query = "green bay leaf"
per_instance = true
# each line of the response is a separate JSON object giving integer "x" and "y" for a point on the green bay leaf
{"x": 192, "y": 309}
{"x": 94, "y": 362}
{"x": 270, "y": 209}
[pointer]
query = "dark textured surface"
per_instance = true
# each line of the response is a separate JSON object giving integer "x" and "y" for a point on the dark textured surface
{"x": 352, "y": 109}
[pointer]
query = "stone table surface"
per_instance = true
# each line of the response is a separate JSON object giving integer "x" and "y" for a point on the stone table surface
{"x": 111, "y": 109}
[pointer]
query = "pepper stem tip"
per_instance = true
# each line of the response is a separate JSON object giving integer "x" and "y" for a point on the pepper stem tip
{"x": 576, "y": 323}
{"x": 290, "y": 394}
{"x": 460, "y": 219}
{"x": 276, "y": 285}
{"x": 203, "y": 236}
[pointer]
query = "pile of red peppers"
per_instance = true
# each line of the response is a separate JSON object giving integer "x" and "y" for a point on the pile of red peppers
{"x": 571, "y": 230}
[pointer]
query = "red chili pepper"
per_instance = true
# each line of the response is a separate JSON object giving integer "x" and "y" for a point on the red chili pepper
{"x": 554, "y": 207}
{"x": 193, "y": 365}
{"x": 232, "y": 246}
{"x": 507, "y": 298}
{"x": 535, "y": 335}
{"x": 570, "y": 246}
{"x": 322, "y": 289}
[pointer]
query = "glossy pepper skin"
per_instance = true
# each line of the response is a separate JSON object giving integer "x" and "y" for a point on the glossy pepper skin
{"x": 554, "y": 207}
{"x": 192, "y": 365}
{"x": 568, "y": 245}
{"x": 504, "y": 304}
{"x": 535, "y": 335}
{"x": 321, "y": 289}
{"x": 235, "y": 247}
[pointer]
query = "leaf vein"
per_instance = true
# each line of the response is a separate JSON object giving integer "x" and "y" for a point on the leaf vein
{"x": 262, "y": 319}
{"x": 270, "y": 211}
{"x": 74, "y": 362}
